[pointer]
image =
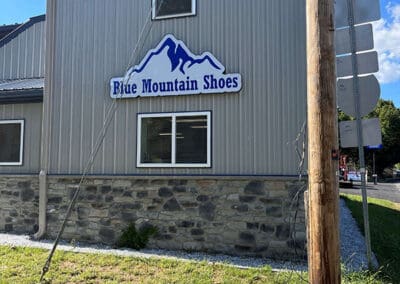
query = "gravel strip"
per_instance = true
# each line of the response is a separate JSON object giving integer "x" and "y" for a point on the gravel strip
{"x": 353, "y": 249}
{"x": 241, "y": 262}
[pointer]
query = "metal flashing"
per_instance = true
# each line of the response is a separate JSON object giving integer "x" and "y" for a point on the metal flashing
{"x": 21, "y": 96}
{"x": 21, "y": 29}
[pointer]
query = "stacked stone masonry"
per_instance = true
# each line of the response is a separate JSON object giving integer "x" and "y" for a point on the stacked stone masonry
{"x": 234, "y": 216}
{"x": 19, "y": 204}
{"x": 241, "y": 217}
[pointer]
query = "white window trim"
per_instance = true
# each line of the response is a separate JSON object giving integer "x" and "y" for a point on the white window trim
{"x": 154, "y": 17}
{"x": 21, "y": 149}
{"x": 173, "y": 163}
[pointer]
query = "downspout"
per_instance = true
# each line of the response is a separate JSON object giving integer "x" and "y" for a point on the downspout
{"x": 42, "y": 205}
{"x": 46, "y": 114}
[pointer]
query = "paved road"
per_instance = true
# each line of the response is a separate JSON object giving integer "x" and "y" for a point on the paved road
{"x": 388, "y": 191}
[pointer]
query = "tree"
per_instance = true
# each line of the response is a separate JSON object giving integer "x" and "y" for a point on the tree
{"x": 389, "y": 117}
{"x": 387, "y": 157}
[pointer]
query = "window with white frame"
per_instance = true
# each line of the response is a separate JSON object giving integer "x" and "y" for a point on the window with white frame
{"x": 162, "y": 9}
{"x": 174, "y": 140}
{"x": 11, "y": 142}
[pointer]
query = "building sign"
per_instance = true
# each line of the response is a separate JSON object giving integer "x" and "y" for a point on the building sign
{"x": 171, "y": 69}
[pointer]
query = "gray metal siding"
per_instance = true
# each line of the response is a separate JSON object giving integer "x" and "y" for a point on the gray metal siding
{"x": 251, "y": 131}
{"x": 32, "y": 115}
{"x": 23, "y": 56}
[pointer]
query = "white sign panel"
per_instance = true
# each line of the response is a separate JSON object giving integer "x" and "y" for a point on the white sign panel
{"x": 172, "y": 69}
{"x": 367, "y": 63}
{"x": 364, "y": 11}
{"x": 371, "y": 133}
{"x": 364, "y": 39}
{"x": 369, "y": 91}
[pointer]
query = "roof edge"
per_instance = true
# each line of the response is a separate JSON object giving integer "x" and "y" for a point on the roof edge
{"x": 22, "y": 28}
{"x": 21, "y": 96}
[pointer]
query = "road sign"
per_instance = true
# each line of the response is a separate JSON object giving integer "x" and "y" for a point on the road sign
{"x": 350, "y": 13}
{"x": 367, "y": 63}
{"x": 369, "y": 91}
{"x": 371, "y": 133}
{"x": 375, "y": 147}
{"x": 364, "y": 11}
{"x": 364, "y": 39}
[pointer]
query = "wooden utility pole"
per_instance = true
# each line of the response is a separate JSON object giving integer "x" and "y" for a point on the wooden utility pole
{"x": 323, "y": 190}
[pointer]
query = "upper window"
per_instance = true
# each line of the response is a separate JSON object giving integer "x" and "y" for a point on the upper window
{"x": 174, "y": 140}
{"x": 163, "y": 9}
{"x": 11, "y": 142}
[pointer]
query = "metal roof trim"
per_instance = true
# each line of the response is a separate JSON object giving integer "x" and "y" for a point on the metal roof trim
{"x": 21, "y": 96}
{"x": 21, "y": 84}
{"x": 21, "y": 29}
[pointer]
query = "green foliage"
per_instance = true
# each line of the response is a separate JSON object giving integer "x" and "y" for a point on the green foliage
{"x": 361, "y": 277}
{"x": 389, "y": 117}
{"x": 343, "y": 117}
{"x": 385, "y": 227}
{"x": 136, "y": 239}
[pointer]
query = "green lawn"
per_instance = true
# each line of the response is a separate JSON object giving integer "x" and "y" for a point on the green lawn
{"x": 23, "y": 265}
{"x": 384, "y": 219}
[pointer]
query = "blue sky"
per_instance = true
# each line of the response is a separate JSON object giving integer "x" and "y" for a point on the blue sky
{"x": 386, "y": 35}
{"x": 18, "y": 11}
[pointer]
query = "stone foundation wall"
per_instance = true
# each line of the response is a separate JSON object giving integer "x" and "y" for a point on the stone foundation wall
{"x": 236, "y": 216}
{"x": 19, "y": 204}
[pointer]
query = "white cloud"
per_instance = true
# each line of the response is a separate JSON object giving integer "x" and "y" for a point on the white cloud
{"x": 387, "y": 43}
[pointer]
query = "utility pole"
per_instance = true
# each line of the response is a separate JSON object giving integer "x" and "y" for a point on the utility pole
{"x": 323, "y": 190}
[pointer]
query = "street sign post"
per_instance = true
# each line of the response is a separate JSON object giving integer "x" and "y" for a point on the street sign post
{"x": 348, "y": 14}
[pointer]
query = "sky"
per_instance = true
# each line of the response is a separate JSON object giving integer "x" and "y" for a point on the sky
{"x": 386, "y": 38}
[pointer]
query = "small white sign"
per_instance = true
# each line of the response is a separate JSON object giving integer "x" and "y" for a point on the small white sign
{"x": 172, "y": 69}
{"x": 367, "y": 63}
{"x": 369, "y": 91}
{"x": 364, "y": 39}
{"x": 371, "y": 133}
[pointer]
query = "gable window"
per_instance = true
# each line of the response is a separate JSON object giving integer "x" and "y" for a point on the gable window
{"x": 162, "y": 9}
{"x": 174, "y": 140}
{"x": 11, "y": 142}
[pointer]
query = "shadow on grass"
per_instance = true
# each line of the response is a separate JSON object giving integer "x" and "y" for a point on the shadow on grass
{"x": 385, "y": 233}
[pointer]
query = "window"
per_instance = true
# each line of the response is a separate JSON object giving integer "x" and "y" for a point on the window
{"x": 163, "y": 9}
{"x": 174, "y": 140}
{"x": 11, "y": 142}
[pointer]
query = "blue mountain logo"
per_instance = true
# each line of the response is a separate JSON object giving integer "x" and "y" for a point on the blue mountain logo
{"x": 178, "y": 54}
{"x": 172, "y": 69}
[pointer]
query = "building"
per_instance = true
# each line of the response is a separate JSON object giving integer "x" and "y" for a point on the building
{"x": 22, "y": 52}
{"x": 180, "y": 115}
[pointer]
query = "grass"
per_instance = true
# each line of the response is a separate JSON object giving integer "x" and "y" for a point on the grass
{"x": 384, "y": 217}
{"x": 23, "y": 265}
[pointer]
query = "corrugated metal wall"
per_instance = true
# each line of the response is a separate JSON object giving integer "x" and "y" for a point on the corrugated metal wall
{"x": 23, "y": 57}
{"x": 252, "y": 131}
{"x": 32, "y": 114}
